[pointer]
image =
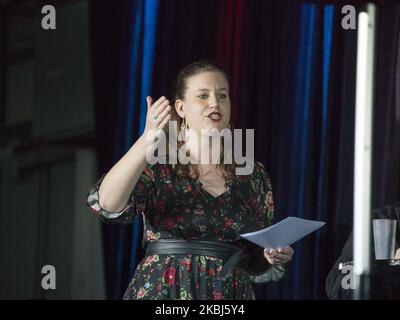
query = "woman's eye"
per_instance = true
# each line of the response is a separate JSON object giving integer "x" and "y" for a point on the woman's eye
{"x": 205, "y": 96}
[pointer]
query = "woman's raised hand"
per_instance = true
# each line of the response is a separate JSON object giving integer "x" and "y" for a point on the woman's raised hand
{"x": 158, "y": 114}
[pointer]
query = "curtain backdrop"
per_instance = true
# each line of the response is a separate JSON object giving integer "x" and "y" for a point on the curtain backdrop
{"x": 292, "y": 76}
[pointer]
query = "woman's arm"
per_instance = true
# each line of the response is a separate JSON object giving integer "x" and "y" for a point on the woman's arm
{"x": 118, "y": 183}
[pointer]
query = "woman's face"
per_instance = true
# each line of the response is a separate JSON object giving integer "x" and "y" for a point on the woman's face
{"x": 206, "y": 104}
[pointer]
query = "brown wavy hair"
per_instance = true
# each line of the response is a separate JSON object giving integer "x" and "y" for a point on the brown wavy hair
{"x": 178, "y": 91}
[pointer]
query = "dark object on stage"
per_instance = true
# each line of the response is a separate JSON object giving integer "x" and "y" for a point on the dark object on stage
{"x": 385, "y": 280}
{"x": 382, "y": 285}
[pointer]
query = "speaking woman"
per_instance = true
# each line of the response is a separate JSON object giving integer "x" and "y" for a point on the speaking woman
{"x": 193, "y": 213}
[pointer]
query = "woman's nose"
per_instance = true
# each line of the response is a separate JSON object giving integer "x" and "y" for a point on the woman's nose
{"x": 213, "y": 103}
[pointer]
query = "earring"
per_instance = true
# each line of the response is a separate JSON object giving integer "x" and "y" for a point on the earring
{"x": 183, "y": 129}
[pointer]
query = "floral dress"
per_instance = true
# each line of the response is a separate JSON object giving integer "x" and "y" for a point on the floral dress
{"x": 179, "y": 208}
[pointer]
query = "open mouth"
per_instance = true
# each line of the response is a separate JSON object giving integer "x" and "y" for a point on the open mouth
{"x": 215, "y": 116}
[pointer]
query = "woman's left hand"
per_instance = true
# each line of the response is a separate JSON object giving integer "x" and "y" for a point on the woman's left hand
{"x": 278, "y": 256}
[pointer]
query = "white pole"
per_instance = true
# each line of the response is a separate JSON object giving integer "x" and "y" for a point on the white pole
{"x": 363, "y": 143}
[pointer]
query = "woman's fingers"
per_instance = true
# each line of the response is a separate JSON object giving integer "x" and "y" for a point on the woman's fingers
{"x": 165, "y": 121}
{"x": 285, "y": 253}
{"x": 286, "y": 250}
{"x": 157, "y": 113}
{"x": 149, "y": 102}
{"x": 281, "y": 255}
{"x": 158, "y": 103}
{"x": 159, "y": 110}
{"x": 274, "y": 260}
{"x": 162, "y": 115}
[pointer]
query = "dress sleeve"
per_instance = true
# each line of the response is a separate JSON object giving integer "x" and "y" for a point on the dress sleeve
{"x": 259, "y": 269}
{"x": 139, "y": 201}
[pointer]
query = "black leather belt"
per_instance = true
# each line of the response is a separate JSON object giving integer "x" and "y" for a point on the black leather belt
{"x": 233, "y": 255}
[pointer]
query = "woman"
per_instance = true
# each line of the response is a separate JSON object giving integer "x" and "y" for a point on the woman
{"x": 193, "y": 213}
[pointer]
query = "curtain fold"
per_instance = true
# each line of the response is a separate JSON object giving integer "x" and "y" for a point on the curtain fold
{"x": 136, "y": 24}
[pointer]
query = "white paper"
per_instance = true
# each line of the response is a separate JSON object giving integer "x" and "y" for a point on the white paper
{"x": 283, "y": 233}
